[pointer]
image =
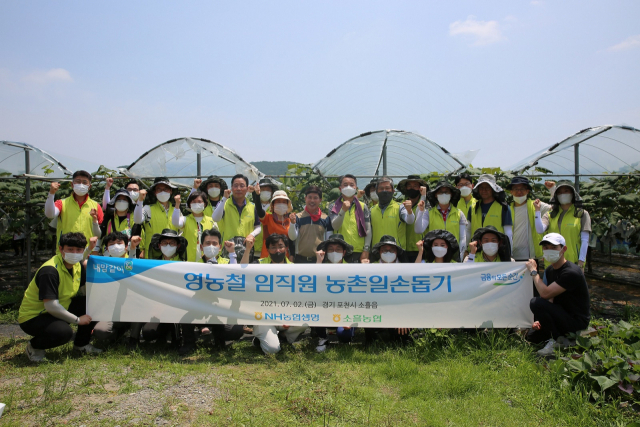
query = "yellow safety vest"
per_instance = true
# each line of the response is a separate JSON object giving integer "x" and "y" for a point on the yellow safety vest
{"x": 388, "y": 223}
{"x": 267, "y": 260}
{"x": 32, "y": 306}
{"x": 537, "y": 238}
{"x": 74, "y": 218}
{"x": 570, "y": 230}
{"x": 493, "y": 217}
{"x": 411, "y": 237}
{"x": 464, "y": 206}
{"x": 349, "y": 228}
{"x": 192, "y": 232}
{"x": 236, "y": 224}
{"x": 452, "y": 225}
{"x": 160, "y": 219}
{"x": 480, "y": 258}
{"x": 260, "y": 237}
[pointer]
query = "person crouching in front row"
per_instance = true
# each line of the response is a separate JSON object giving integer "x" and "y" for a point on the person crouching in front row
{"x": 267, "y": 337}
{"x": 51, "y": 302}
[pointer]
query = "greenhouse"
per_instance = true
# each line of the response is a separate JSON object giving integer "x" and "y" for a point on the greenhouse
{"x": 17, "y": 157}
{"x": 183, "y": 159}
{"x": 600, "y": 150}
{"x": 385, "y": 152}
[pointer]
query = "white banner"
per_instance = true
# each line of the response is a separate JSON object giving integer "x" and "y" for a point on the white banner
{"x": 359, "y": 295}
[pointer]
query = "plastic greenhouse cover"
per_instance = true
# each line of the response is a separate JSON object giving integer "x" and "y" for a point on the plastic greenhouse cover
{"x": 12, "y": 160}
{"x": 601, "y": 149}
{"x": 178, "y": 157}
{"x": 407, "y": 153}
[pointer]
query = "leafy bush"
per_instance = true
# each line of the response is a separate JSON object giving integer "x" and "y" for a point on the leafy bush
{"x": 607, "y": 364}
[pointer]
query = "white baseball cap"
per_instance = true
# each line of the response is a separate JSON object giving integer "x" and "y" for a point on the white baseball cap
{"x": 554, "y": 239}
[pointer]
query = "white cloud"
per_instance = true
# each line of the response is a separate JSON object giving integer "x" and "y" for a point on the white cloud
{"x": 630, "y": 43}
{"x": 537, "y": 2}
{"x": 484, "y": 32}
{"x": 48, "y": 76}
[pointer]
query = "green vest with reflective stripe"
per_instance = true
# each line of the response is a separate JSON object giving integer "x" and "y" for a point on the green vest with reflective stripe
{"x": 349, "y": 228}
{"x": 236, "y": 224}
{"x": 436, "y": 221}
{"x": 267, "y": 260}
{"x": 160, "y": 219}
{"x": 74, "y": 218}
{"x": 480, "y": 258}
{"x": 493, "y": 217}
{"x": 192, "y": 233}
{"x": 531, "y": 212}
{"x": 570, "y": 230}
{"x": 32, "y": 306}
{"x": 388, "y": 223}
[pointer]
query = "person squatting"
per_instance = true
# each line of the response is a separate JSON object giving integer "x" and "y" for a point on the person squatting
{"x": 464, "y": 221}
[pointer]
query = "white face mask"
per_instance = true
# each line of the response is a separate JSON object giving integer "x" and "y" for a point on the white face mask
{"x": 73, "y": 258}
{"x": 211, "y": 251}
{"x": 213, "y": 192}
{"x": 122, "y": 205}
{"x": 519, "y": 199}
{"x": 134, "y": 195}
{"x": 465, "y": 191}
{"x": 439, "y": 251}
{"x": 349, "y": 191}
{"x": 490, "y": 248}
{"x": 163, "y": 196}
{"x": 197, "y": 208}
{"x": 265, "y": 196}
{"x": 116, "y": 250}
{"x": 565, "y": 199}
{"x": 280, "y": 208}
{"x": 551, "y": 256}
{"x": 168, "y": 251}
{"x": 106, "y": 252}
{"x": 388, "y": 257}
{"x": 374, "y": 196}
{"x": 80, "y": 189}
{"x": 334, "y": 257}
{"x": 444, "y": 199}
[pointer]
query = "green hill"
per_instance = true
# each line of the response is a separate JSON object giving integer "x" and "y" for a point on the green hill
{"x": 273, "y": 168}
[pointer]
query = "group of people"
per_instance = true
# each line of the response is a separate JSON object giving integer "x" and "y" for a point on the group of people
{"x": 463, "y": 221}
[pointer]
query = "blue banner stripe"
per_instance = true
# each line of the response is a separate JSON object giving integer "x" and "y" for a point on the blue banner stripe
{"x": 102, "y": 269}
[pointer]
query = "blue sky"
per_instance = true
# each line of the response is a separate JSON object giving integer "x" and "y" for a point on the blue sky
{"x": 106, "y": 81}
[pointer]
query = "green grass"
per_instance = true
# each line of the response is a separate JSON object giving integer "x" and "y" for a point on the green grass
{"x": 442, "y": 379}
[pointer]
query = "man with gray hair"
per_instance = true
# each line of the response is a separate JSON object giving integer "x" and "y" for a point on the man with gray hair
{"x": 389, "y": 217}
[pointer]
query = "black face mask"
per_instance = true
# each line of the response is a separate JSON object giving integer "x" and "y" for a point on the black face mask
{"x": 278, "y": 257}
{"x": 412, "y": 194}
{"x": 385, "y": 197}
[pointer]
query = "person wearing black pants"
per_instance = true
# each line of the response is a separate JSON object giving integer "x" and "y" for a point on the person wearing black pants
{"x": 50, "y": 332}
{"x": 53, "y": 300}
{"x": 563, "y": 306}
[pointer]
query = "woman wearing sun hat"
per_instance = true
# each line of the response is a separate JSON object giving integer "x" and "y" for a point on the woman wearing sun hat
{"x": 443, "y": 215}
{"x": 277, "y": 220}
{"x": 156, "y": 216}
{"x": 491, "y": 208}
{"x": 438, "y": 246}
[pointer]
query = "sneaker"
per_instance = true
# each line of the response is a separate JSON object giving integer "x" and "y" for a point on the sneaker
{"x": 87, "y": 349}
{"x": 322, "y": 345}
{"x": 563, "y": 342}
{"x": 547, "y": 350}
{"x": 34, "y": 354}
